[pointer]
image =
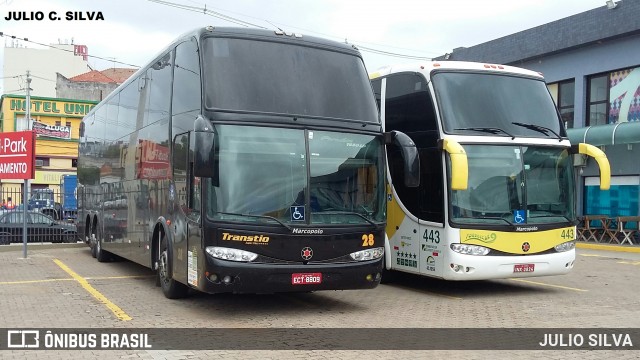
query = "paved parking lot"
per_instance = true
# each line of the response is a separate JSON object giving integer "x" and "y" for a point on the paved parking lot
{"x": 64, "y": 287}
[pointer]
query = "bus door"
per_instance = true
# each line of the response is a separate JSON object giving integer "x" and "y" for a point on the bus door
{"x": 432, "y": 250}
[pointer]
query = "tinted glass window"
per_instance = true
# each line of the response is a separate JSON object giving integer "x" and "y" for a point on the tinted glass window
{"x": 280, "y": 78}
{"x": 502, "y": 105}
{"x": 408, "y": 105}
{"x": 159, "y": 78}
{"x": 128, "y": 119}
{"x": 186, "y": 87}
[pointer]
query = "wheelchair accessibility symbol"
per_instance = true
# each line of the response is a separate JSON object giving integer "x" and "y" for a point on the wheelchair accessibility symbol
{"x": 297, "y": 213}
{"x": 519, "y": 216}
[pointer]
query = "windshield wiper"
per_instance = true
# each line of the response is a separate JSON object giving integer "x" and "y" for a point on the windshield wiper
{"x": 547, "y": 216}
{"x": 489, "y": 218}
{"x": 259, "y": 217}
{"x": 538, "y": 128}
{"x": 491, "y": 130}
{"x": 346, "y": 213}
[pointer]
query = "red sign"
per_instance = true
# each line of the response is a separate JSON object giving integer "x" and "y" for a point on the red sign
{"x": 153, "y": 161}
{"x": 17, "y": 155}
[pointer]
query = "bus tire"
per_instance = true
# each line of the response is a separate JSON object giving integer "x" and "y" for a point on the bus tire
{"x": 171, "y": 288}
{"x": 101, "y": 255}
{"x": 92, "y": 245}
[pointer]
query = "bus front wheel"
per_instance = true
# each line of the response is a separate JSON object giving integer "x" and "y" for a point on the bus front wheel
{"x": 170, "y": 287}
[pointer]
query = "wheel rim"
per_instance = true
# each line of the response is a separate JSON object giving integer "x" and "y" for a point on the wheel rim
{"x": 162, "y": 266}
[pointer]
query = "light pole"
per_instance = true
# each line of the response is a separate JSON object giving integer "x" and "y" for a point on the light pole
{"x": 27, "y": 182}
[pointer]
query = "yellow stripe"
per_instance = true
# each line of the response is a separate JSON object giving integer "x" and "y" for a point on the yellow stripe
{"x": 87, "y": 278}
{"x": 512, "y": 242}
{"x": 95, "y": 293}
{"x": 395, "y": 215}
{"x": 629, "y": 249}
{"x": 550, "y": 285}
{"x": 31, "y": 281}
{"x": 119, "y": 277}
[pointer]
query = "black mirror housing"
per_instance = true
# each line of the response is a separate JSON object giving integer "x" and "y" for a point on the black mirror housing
{"x": 410, "y": 156}
{"x": 204, "y": 149}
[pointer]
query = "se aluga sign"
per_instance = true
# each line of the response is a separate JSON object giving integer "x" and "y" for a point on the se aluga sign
{"x": 17, "y": 155}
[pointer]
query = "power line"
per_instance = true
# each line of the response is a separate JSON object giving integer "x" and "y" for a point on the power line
{"x": 70, "y": 51}
{"x": 245, "y": 23}
{"x": 206, "y": 11}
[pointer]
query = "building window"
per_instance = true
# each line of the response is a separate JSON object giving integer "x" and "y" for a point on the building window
{"x": 74, "y": 163}
{"x": 22, "y": 124}
{"x": 68, "y": 124}
{"x": 42, "y": 161}
{"x": 597, "y": 94}
{"x": 566, "y": 101}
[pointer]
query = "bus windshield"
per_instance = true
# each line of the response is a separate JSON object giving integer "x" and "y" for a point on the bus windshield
{"x": 506, "y": 179}
{"x": 266, "y": 175}
{"x": 286, "y": 79}
{"x": 504, "y": 104}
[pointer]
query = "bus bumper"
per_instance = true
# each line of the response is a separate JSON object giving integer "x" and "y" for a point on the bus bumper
{"x": 470, "y": 267}
{"x": 274, "y": 278}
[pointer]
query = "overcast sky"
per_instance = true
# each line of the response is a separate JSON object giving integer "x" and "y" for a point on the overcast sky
{"x": 133, "y": 31}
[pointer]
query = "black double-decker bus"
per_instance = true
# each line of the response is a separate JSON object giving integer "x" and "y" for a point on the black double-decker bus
{"x": 241, "y": 160}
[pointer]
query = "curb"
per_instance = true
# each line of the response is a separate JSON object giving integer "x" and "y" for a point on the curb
{"x": 606, "y": 247}
{"x": 38, "y": 246}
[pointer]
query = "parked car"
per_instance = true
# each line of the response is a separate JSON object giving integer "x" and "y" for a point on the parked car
{"x": 40, "y": 228}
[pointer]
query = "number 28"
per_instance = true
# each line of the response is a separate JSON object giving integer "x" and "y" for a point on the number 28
{"x": 367, "y": 240}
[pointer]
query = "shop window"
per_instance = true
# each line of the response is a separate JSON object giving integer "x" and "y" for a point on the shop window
{"x": 566, "y": 102}
{"x": 598, "y": 96}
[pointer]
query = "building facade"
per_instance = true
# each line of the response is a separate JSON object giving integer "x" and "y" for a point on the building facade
{"x": 56, "y": 123}
{"x": 591, "y": 63}
{"x": 68, "y": 60}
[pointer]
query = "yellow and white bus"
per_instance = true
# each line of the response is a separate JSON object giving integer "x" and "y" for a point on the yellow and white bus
{"x": 497, "y": 190}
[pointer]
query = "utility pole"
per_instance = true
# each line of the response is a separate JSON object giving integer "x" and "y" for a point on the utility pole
{"x": 27, "y": 182}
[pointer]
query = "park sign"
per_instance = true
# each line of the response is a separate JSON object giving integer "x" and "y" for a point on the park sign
{"x": 17, "y": 155}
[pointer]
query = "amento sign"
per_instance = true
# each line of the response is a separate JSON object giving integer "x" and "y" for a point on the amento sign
{"x": 17, "y": 155}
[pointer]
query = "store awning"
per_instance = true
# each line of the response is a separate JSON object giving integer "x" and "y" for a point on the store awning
{"x": 613, "y": 134}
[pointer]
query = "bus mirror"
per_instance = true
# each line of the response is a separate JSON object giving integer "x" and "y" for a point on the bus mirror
{"x": 81, "y": 129}
{"x": 459, "y": 164}
{"x": 601, "y": 159}
{"x": 203, "y": 162}
{"x": 410, "y": 156}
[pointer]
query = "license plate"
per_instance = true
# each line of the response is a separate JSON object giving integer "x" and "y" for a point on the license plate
{"x": 306, "y": 278}
{"x": 519, "y": 268}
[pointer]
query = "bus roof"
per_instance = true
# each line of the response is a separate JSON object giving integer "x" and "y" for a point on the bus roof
{"x": 430, "y": 66}
{"x": 247, "y": 33}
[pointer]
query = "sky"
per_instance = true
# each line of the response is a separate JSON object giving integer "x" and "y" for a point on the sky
{"x": 134, "y": 31}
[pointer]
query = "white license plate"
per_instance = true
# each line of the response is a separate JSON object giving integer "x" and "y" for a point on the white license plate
{"x": 306, "y": 278}
{"x": 520, "y": 268}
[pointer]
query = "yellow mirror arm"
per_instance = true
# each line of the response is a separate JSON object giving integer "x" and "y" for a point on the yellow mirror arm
{"x": 603, "y": 163}
{"x": 459, "y": 164}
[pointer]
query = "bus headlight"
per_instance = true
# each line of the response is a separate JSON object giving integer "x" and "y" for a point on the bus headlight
{"x": 369, "y": 254}
{"x": 566, "y": 246}
{"x": 470, "y": 249}
{"x": 230, "y": 254}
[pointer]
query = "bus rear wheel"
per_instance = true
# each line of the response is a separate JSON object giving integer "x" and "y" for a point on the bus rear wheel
{"x": 170, "y": 287}
{"x": 101, "y": 255}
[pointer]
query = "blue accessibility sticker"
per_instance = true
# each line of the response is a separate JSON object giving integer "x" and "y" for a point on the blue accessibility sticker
{"x": 297, "y": 213}
{"x": 519, "y": 216}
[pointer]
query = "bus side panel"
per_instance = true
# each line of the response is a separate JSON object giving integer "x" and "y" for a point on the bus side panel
{"x": 433, "y": 248}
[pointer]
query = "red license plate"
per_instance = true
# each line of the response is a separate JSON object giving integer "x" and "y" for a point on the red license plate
{"x": 306, "y": 278}
{"x": 519, "y": 268}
